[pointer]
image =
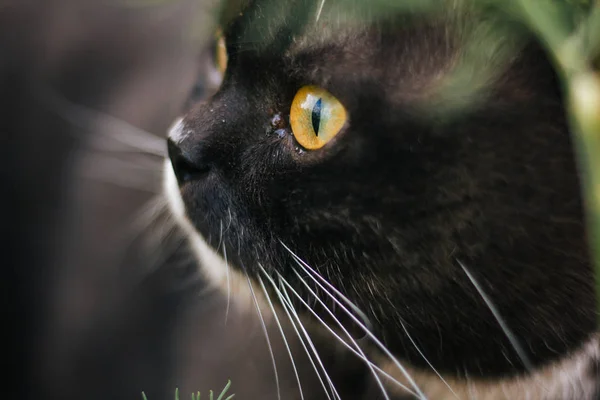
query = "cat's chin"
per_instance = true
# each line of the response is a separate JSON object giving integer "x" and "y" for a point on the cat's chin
{"x": 219, "y": 273}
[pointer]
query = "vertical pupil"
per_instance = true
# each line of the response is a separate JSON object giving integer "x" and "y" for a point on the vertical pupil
{"x": 316, "y": 116}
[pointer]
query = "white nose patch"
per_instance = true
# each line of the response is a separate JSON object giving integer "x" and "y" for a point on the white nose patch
{"x": 177, "y": 132}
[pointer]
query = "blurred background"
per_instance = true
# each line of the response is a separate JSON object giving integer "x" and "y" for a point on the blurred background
{"x": 88, "y": 91}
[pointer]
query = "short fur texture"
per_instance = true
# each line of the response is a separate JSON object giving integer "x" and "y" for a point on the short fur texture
{"x": 406, "y": 193}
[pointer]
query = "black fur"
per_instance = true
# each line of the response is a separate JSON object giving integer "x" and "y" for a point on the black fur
{"x": 388, "y": 209}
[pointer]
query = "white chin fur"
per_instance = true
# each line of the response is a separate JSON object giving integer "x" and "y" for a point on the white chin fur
{"x": 217, "y": 272}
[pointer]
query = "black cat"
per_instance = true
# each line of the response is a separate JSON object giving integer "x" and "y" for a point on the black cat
{"x": 338, "y": 168}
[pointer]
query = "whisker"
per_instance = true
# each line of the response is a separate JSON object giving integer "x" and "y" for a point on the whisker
{"x": 228, "y": 283}
{"x": 426, "y": 360}
{"x": 220, "y": 236}
{"x": 507, "y": 331}
{"x": 264, "y": 327}
{"x": 148, "y": 213}
{"x": 111, "y": 127}
{"x": 359, "y": 351}
{"x": 230, "y": 220}
{"x": 149, "y": 227}
{"x": 144, "y": 181}
{"x": 221, "y": 242}
{"x": 314, "y": 349}
{"x": 287, "y": 346}
{"x": 353, "y": 306}
{"x": 307, "y": 269}
{"x": 355, "y": 352}
{"x": 289, "y": 310}
{"x": 362, "y": 355}
{"x": 320, "y": 10}
{"x": 160, "y": 247}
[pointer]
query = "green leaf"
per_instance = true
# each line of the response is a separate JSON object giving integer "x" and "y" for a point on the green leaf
{"x": 224, "y": 392}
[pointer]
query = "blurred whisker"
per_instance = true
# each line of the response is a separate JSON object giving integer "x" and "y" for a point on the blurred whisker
{"x": 123, "y": 180}
{"x": 108, "y": 126}
{"x": 149, "y": 213}
{"x": 139, "y": 174}
{"x": 320, "y": 10}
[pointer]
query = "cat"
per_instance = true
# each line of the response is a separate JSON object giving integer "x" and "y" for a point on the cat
{"x": 336, "y": 169}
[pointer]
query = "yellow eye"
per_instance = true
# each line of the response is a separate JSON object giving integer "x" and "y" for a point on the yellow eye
{"x": 221, "y": 52}
{"x": 316, "y": 117}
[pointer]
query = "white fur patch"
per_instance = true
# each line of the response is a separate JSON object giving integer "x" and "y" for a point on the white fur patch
{"x": 177, "y": 131}
{"x": 568, "y": 379}
{"x": 218, "y": 273}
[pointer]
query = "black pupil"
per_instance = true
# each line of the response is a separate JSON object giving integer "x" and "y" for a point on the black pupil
{"x": 316, "y": 116}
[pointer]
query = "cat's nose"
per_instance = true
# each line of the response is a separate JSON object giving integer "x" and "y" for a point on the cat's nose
{"x": 188, "y": 165}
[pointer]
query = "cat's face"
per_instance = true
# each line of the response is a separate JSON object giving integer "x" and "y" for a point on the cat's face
{"x": 391, "y": 200}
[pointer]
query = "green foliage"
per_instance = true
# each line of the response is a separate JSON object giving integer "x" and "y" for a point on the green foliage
{"x": 575, "y": 51}
{"x": 140, "y": 3}
{"x": 211, "y": 396}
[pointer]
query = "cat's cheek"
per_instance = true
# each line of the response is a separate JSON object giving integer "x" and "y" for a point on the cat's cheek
{"x": 285, "y": 139}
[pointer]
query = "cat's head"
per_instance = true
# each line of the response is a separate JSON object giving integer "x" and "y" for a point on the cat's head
{"x": 332, "y": 140}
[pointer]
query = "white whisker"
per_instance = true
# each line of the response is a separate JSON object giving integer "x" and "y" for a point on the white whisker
{"x": 308, "y": 269}
{"x": 230, "y": 220}
{"x": 147, "y": 214}
{"x": 109, "y": 126}
{"x": 426, "y": 360}
{"x": 355, "y": 352}
{"x": 320, "y": 10}
{"x": 507, "y": 331}
{"x": 144, "y": 227}
{"x": 287, "y": 346}
{"x": 311, "y": 344}
{"x": 264, "y": 327}
{"x": 227, "y": 272}
{"x": 289, "y": 310}
{"x": 353, "y": 306}
{"x": 359, "y": 352}
{"x": 220, "y": 236}
{"x": 121, "y": 176}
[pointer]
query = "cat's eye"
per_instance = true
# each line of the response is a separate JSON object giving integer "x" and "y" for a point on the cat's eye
{"x": 316, "y": 117}
{"x": 221, "y": 53}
